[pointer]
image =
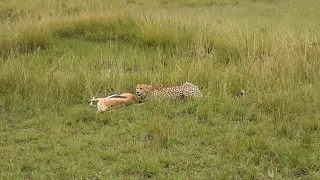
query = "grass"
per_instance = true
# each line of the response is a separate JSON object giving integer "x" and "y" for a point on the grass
{"x": 58, "y": 54}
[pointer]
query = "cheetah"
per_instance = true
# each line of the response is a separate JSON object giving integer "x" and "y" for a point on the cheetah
{"x": 113, "y": 101}
{"x": 187, "y": 90}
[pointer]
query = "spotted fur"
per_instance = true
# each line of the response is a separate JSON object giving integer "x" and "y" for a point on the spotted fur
{"x": 187, "y": 90}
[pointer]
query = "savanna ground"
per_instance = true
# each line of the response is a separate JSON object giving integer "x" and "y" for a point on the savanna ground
{"x": 56, "y": 54}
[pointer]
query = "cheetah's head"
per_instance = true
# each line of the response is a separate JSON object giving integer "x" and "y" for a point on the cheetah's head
{"x": 143, "y": 89}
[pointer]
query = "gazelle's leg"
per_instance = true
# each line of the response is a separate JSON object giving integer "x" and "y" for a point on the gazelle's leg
{"x": 100, "y": 107}
{"x": 107, "y": 108}
{"x": 91, "y": 104}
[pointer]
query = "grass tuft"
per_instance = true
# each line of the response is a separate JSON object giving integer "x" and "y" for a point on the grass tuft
{"x": 30, "y": 38}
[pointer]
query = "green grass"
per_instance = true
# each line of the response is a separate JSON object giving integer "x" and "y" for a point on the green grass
{"x": 55, "y": 55}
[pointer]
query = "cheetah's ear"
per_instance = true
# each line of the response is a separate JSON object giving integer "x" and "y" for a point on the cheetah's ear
{"x": 149, "y": 87}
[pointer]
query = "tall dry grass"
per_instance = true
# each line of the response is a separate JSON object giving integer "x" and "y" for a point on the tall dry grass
{"x": 277, "y": 58}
